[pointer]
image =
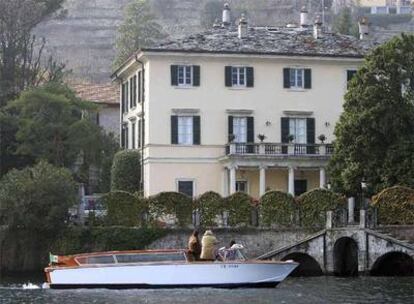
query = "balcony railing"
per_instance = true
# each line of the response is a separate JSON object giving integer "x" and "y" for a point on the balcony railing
{"x": 279, "y": 149}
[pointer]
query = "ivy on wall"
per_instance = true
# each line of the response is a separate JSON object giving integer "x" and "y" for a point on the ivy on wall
{"x": 395, "y": 206}
{"x": 239, "y": 207}
{"x": 314, "y": 204}
{"x": 172, "y": 203}
{"x": 277, "y": 208}
{"x": 209, "y": 206}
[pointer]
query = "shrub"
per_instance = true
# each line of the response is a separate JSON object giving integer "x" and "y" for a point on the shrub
{"x": 239, "y": 207}
{"x": 37, "y": 199}
{"x": 395, "y": 205}
{"x": 124, "y": 208}
{"x": 126, "y": 171}
{"x": 277, "y": 208}
{"x": 81, "y": 239}
{"x": 314, "y": 204}
{"x": 172, "y": 203}
{"x": 210, "y": 205}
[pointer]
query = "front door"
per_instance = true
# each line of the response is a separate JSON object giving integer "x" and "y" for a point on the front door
{"x": 301, "y": 186}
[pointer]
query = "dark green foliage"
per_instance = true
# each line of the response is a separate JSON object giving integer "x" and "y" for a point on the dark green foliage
{"x": 175, "y": 204}
{"x": 126, "y": 171}
{"x": 139, "y": 29}
{"x": 80, "y": 240}
{"x": 374, "y": 134}
{"x": 124, "y": 209}
{"x": 344, "y": 22}
{"x": 395, "y": 206}
{"x": 314, "y": 204}
{"x": 37, "y": 199}
{"x": 239, "y": 206}
{"x": 278, "y": 208}
{"x": 209, "y": 205}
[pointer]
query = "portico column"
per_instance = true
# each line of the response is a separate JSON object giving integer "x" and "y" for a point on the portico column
{"x": 262, "y": 180}
{"x": 291, "y": 182}
{"x": 232, "y": 187}
{"x": 322, "y": 178}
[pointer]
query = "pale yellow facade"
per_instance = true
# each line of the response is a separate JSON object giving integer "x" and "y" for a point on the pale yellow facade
{"x": 211, "y": 165}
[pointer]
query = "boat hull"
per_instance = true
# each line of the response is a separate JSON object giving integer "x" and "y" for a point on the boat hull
{"x": 186, "y": 275}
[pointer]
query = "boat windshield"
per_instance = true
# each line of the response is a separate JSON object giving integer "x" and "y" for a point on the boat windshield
{"x": 132, "y": 258}
{"x": 232, "y": 254}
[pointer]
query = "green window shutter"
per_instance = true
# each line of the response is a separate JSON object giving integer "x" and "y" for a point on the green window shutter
{"x": 139, "y": 86}
{"x": 250, "y": 129}
{"x": 174, "y": 75}
{"x": 250, "y": 77}
{"x": 227, "y": 76}
{"x": 196, "y": 75}
{"x": 285, "y": 129}
{"x": 131, "y": 93}
{"x": 310, "y": 136}
{"x": 286, "y": 78}
{"x": 230, "y": 124}
{"x": 174, "y": 130}
{"x": 308, "y": 78}
{"x": 196, "y": 130}
{"x": 126, "y": 96}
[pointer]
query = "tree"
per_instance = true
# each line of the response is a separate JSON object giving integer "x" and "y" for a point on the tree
{"x": 344, "y": 23}
{"x": 139, "y": 29}
{"x": 126, "y": 171}
{"x": 212, "y": 10}
{"x": 22, "y": 62}
{"x": 374, "y": 135}
{"x": 52, "y": 124}
{"x": 37, "y": 199}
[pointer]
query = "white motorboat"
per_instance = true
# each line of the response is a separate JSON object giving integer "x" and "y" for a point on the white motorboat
{"x": 162, "y": 269}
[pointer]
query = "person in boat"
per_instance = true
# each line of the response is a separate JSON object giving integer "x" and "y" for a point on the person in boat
{"x": 208, "y": 246}
{"x": 194, "y": 246}
{"x": 228, "y": 253}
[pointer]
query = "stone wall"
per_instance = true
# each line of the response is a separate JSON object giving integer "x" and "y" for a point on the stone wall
{"x": 256, "y": 241}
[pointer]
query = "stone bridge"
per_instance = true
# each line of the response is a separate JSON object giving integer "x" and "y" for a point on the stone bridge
{"x": 347, "y": 251}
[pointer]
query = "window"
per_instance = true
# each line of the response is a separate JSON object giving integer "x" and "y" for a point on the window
{"x": 238, "y": 76}
{"x": 186, "y": 187}
{"x": 241, "y": 186}
{"x": 185, "y": 130}
{"x": 185, "y": 75}
{"x": 133, "y": 91}
{"x": 349, "y": 75}
{"x": 123, "y": 98}
{"x": 296, "y": 78}
{"x": 139, "y": 134}
{"x": 133, "y": 127}
{"x": 297, "y": 128}
{"x": 140, "y": 87}
{"x": 125, "y": 135}
{"x": 240, "y": 129}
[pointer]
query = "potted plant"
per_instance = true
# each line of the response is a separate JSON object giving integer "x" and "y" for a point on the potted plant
{"x": 322, "y": 138}
{"x": 261, "y": 137}
{"x": 290, "y": 137}
{"x": 231, "y": 137}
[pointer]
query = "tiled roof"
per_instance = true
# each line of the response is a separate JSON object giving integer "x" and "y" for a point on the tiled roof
{"x": 268, "y": 40}
{"x": 97, "y": 93}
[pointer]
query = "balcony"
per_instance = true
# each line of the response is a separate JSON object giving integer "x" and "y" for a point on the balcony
{"x": 279, "y": 149}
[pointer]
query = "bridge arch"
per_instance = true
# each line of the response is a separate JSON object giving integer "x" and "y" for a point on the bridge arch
{"x": 394, "y": 263}
{"x": 308, "y": 266}
{"x": 345, "y": 255}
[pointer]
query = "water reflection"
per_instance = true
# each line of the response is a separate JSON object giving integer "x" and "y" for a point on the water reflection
{"x": 313, "y": 290}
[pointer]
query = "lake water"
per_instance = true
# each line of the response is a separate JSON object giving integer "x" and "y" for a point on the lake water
{"x": 314, "y": 290}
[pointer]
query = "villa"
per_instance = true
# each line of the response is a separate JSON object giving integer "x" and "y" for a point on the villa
{"x": 238, "y": 108}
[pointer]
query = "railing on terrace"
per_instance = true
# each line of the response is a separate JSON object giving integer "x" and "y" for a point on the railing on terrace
{"x": 278, "y": 149}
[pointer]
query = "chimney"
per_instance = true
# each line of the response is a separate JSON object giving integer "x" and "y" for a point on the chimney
{"x": 226, "y": 15}
{"x": 242, "y": 27}
{"x": 363, "y": 28}
{"x": 317, "y": 28}
{"x": 304, "y": 17}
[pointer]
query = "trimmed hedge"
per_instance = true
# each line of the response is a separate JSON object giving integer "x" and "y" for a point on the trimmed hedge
{"x": 239, "y": 206}
{"x": 278, "y": 208}
{"x": 395, "y": 206}
{"x": 124, "y": 208}
{"x": 209, "y": 205}
{"x": 172, "y": 203}
{"x": 314, "y": 204}
{"x": 126, "y": 171}
{"x": 80, "y": 239}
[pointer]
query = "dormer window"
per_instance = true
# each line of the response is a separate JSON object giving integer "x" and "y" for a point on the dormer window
{"x": 185, "y": 75}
